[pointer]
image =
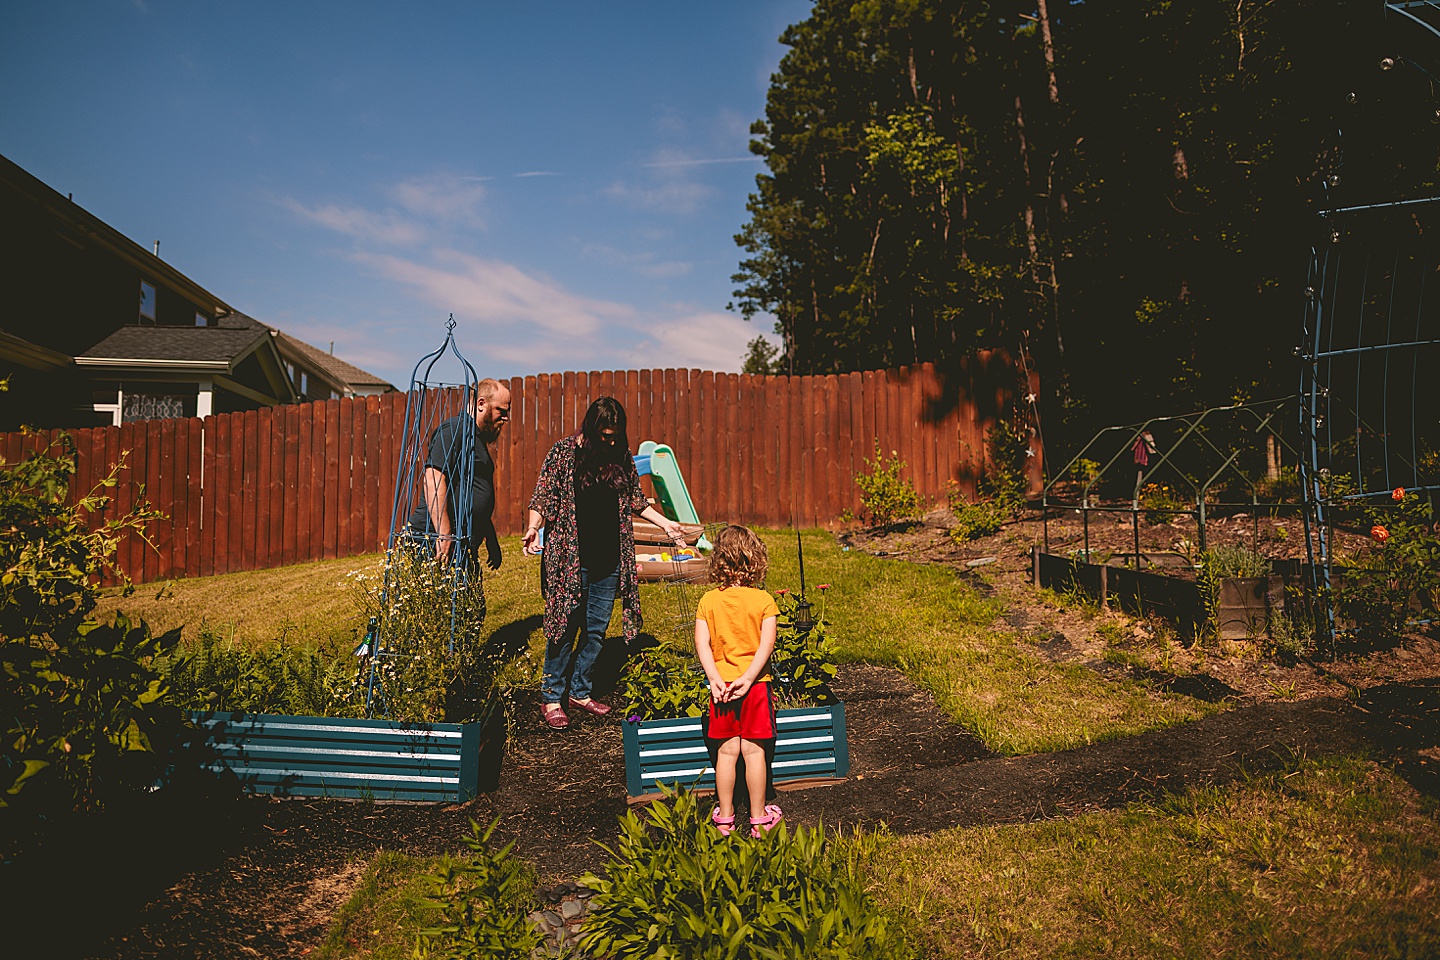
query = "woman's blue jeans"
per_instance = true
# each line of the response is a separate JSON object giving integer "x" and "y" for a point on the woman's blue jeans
{"x": 572, "y": 659}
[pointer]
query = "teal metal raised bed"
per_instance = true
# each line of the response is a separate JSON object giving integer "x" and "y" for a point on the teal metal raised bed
{"x": 330, "y": 757}
{"x": 810, "y": 748}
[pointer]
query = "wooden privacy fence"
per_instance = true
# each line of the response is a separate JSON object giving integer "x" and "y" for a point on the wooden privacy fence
{"x": 281, "y": 485}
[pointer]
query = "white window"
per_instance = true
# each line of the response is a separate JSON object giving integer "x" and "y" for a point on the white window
{"x": 201, "y": 320}
{"x": 304, "y": 382}
{"x": 147, "y": 302}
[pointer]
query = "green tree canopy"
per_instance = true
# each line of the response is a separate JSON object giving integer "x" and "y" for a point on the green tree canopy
{"x": 1122, "y": 188}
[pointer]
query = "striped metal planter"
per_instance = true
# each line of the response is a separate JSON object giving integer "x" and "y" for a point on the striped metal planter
{"x": 810, "y": 748}
{"x": 331, "y": 757}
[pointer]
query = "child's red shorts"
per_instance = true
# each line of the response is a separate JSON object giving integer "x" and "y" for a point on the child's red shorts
{"x": 751, "y": 717}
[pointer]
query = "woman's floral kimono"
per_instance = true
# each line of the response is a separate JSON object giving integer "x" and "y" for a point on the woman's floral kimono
{"x": 554, "y": 500}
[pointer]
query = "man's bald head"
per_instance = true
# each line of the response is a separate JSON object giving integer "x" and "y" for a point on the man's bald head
{"x": 492, "y": 408}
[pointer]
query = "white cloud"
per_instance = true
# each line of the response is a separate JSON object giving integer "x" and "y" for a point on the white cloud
{"x": 498, "y": 294}
{"x": 668, "y": 187}
{"x": 537, "y": 173}
{"x": 444, "y": 198}
{"x": 359, "y": 223}
{"x": 709, "y": 340}
{"x": 644, "y": 264}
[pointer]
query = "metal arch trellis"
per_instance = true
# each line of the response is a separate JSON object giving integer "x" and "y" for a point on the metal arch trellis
{"x": 1369, "y": 397}
{"x": 429, "y": 404}
{"x": 1210, "y": 454}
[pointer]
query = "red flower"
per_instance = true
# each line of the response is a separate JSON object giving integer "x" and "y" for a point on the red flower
{"x": 1397, "y": 494}
{"x": 824, "y": 586}
{"x": 781, "y": 593}
{"x": 1379, "y": 533}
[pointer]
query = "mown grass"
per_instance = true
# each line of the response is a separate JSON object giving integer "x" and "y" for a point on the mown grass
{"x": 383, "y": 915}
{"x": 926, "y": 622}
{"x": 1330, "y": 858}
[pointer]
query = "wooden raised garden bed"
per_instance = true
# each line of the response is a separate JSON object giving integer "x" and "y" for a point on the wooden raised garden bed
{"x": 291, "y": 756}
{"x": 810, "y": 750}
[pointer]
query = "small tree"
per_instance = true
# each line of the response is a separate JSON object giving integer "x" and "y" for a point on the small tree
{"x": 886, "y": 496}
{"x": 83, "y": 711}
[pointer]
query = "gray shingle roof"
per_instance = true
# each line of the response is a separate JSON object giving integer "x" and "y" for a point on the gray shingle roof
{"x": 332, "y": 366}
{"x": 231, "y": 339}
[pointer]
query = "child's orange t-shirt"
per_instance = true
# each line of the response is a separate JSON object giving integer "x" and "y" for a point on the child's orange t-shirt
{"x": 734, "y": 616}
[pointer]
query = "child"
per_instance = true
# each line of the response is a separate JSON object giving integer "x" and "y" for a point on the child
{"x": 734, "y": 635}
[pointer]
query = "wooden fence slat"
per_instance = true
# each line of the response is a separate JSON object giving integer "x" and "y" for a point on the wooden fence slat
{"x": 358, "y": 534}
{"x": 164, "y": 552}
{"x": 260, "y": 492}
{"x": 195, "y": 491}
{"x": 330, "y": 499}
{"x": 278, "y": 503}
{"x": 371, "y": 523}
{"x": 341, "y": 491}
{"x": 224, "y": 506}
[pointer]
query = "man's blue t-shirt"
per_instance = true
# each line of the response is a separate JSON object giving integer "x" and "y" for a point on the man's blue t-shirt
{"x": 447, "y": 455}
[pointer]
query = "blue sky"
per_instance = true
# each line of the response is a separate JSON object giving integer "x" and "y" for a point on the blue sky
{"x": 566, "y": 178}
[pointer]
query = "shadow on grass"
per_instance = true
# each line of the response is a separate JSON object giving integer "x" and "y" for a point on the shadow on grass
{"x": 513, "y": 639}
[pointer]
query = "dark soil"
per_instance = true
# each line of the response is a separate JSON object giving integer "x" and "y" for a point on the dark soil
{"x": 188, "y": 875}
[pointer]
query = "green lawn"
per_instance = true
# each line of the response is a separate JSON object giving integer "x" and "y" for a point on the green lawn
{"x": 1331, "y": 858}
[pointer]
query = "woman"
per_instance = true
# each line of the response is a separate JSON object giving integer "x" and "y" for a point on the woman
{"x": 585, "y": 496}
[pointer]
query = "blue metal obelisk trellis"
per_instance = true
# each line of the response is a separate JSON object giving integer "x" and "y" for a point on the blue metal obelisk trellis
{"x": 439, "y": 428}
{"x": 1370, "y": 398}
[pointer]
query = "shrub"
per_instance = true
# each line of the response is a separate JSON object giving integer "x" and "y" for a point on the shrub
{"x": 1235, "y": 561}
{"x": 421, "y": 610}
{"x": 83, "y": 715}
{"x": 886, "y": 496}
{"x": 1395, "y": 576}
{"x": 676, "y": 889}
{"x": 976, "y": 520}
{"x": 803, "y": 663}
{"x": 279, "y": 677}
{"x": 482, "y": 901}
{"x": 662, "y": 683}
{"x": 1002, "y": 488}
{"x": 1161, "y": 503}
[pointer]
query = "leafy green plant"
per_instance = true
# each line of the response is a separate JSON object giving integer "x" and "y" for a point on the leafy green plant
{"x": 976, "y": 520}
{"x": 278, "y": 677}
{"x": 803, "y": 664}
{"x": 1162, "y": 503}
{"x": 1002, "y": 488}
{"x": 1235, "y": 560}
{"x": 676, "y": 889}
{"x": 886, "y": 496}
{"x": 661, "y": 683}
{"x": 419, "y": 606}
{"x": 83, "y": 714}
{"x": 1397, "y": 574}
{"x": 482, "y": 901}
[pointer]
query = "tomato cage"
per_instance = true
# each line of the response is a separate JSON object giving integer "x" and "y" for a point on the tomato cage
{"x": 430, "y": 582}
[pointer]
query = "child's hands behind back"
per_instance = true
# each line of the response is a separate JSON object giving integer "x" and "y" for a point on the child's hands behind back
{"x": 719, "y": 691}
{"x": 738, "y": 688}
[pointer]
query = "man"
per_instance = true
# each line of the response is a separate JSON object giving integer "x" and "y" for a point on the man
{"x": 435, "y": 519}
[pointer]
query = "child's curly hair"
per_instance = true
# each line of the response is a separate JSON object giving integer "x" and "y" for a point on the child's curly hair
{"x": 739, "y": 558}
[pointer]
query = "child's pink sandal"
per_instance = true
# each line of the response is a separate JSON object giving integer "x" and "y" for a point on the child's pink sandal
{"x": 766, "y": 823}
{"x": 724, "y": 824}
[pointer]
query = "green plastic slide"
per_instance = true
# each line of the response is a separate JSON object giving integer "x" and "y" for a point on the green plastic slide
{"x": 670, "y": 490}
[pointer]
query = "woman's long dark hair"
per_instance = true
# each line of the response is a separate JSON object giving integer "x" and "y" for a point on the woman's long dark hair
{"x": 601, "y": 462}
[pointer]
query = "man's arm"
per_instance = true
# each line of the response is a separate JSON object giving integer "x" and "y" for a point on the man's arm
{"x": 672, "y": 529}
{"x": 437, "y": 490}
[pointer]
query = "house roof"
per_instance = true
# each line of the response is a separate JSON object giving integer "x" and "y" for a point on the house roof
{"x": 328, "y": 364}
{"x": 214, "y": 348}
{"x": 86, "y": 224}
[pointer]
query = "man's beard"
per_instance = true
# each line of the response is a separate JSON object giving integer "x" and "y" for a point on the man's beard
{"x": 487, "y": 430}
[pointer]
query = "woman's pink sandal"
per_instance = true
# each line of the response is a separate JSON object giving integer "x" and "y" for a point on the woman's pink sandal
{"x": 723, "y": 824}
{"x": 766, "y": 823}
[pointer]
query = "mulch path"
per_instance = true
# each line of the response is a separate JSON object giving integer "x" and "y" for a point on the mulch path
{"x": 256, "y": 877}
